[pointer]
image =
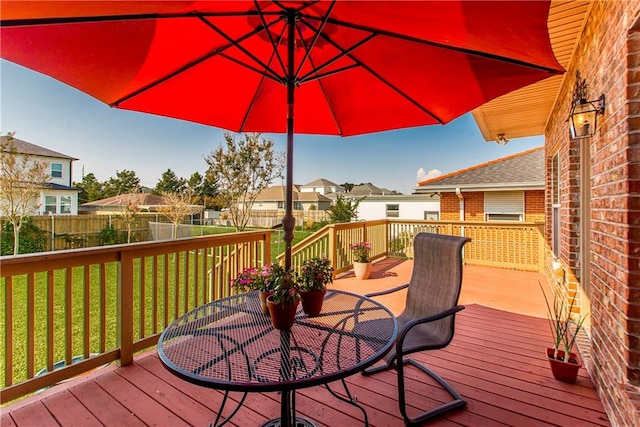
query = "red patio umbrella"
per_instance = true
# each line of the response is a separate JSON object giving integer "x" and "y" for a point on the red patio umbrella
{"x": 336, "y": 67}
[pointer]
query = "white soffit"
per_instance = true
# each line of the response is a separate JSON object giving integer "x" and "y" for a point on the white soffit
{"x": 524, "y": 112}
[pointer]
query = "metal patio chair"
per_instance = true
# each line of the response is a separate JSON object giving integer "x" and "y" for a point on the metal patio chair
{"x": 427, "y": 322}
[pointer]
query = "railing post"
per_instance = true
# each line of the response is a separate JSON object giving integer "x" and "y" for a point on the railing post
{"x": 125, "y": 308}
{"x": 541, "y": 247}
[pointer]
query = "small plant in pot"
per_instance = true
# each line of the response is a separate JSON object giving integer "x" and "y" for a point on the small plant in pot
{"x": 255, "y": 279}
{"x": 564, "y": 363}
{"x": 361, "y": 260}
{"x": 315, "y": 275}
{"x": 284, "y": 298}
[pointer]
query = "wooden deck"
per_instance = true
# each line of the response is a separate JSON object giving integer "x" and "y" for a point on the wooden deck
{"x": 495, "y": 361}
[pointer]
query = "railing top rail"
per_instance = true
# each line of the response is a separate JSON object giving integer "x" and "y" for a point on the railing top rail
{"x": 21, "y": 264}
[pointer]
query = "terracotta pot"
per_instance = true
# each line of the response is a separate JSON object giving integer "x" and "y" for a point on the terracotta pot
{"x": 263, "y": 295}
{"x": 362, "y": 270}
{"x": 312, "y": 301}
{"x": 283, "y": 316}
{"x": 564, "y": 371}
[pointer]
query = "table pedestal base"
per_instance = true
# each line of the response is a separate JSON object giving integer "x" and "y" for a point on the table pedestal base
{"x": 300, "y": 422}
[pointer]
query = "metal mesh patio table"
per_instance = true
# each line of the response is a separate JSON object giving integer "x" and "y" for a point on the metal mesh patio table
{"x": 230, "y": 345}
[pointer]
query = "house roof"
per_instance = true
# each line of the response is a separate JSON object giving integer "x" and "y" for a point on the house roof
{"x": 24, "y": 147}
{"x": 140, "y": 199}
{"x": 276, "y": 193}
{"x": 521, "y": 171}
{"x": 368, "y": 190}
{"x": 321, "y": 182}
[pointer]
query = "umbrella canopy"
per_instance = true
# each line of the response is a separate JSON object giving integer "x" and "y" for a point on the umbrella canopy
{"x": 337, "y": 68}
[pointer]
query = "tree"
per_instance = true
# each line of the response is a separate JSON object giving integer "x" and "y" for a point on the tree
{"x": 348, "y": 186}
{"x": 178, "y": 206}
{"x": 124, "y": 182}
{"x": 242, "y": 169}
{"x": 22, "y": 178}
{"x": 170, "y": 183}
{"x": 130, "y": 213}
{"x": 91, "y": 189}
{"x": 344, "y": 210}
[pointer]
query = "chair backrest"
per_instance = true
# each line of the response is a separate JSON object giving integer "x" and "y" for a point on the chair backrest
{"x": 436, "y": 279}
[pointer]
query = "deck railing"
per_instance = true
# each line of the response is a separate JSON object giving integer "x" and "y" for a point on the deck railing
{"x": 83, "y": 308}
{"x": 104, "y": 304}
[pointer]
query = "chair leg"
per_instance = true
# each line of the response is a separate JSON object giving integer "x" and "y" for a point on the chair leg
{"x": 375, "y": 369}
{"x": 458, "y": 401}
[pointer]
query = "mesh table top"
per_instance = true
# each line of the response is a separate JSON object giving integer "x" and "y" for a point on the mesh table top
{"x": 230, "y": 344}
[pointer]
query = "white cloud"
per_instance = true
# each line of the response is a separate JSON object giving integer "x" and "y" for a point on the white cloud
{"x": 421, "y": 175}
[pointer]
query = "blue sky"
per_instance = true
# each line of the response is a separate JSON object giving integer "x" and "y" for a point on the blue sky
{"x": 51, "y": 114}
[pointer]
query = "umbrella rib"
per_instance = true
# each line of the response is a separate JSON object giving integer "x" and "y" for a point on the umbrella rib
{"x": 309, "y": 48}
{"x": 236, "y": 43}
{"x": 438, "y": 45}
{"x": 385, "y": 81}
{"x": 273, "y": 43}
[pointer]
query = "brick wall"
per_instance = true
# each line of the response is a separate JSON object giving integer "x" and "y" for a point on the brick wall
{"x": 534, "y": 205}
{"x": 474, "y": 206}
{"x": 608, "y": 57}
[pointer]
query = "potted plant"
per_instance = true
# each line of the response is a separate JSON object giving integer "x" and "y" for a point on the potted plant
{"x": 315, "y": 275}
{"x": 361, "y": 260}
{"x": 564, "y": 363}
{"x": 254, "y": 279}
{"x": 284, "y": 298}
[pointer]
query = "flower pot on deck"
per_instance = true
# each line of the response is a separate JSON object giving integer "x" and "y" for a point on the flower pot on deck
{"x": 561, "y": 370}
{"x": 362, "y": 270}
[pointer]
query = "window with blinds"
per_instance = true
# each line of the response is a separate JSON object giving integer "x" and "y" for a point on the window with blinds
{"x": 504, "y": 206}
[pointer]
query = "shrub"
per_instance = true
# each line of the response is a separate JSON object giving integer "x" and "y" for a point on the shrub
{"x": 32, "y": 239}
{"x": 108, "y": 236}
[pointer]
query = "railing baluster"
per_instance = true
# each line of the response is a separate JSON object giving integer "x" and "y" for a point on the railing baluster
{"x": 8, "y": 330}
{"x": 87, "y": 311}
{"x": 185, "y": 302}
{"x": 154, "y": 281}
{"x": 166, "y": 290}
{"x": 31, "y": 324}
{"x": 68, "y": 313}
{"x": 50, "y": 316}
{"x": 103, "y": 307}
{"x": 143, "y": 296}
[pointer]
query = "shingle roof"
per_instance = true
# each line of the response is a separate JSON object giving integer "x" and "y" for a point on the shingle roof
{"x": 519, "y": 171}
{"x": 24, "y": 147}
{"x": 367, "y": 190}
{"x": 140, "y": 199}
{"x": 321, "y": 182}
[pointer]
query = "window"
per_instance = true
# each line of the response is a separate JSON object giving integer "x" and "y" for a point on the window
{"x": 504, "y": 206}
{"x": 555, "y": 204}
{"x": 280, "y": 205}
{"x": 393, "y": 211}
{"x": 51, "y": 204}
{"x": 431, "y": 215}
{"x": 56, "y": 170}
{"x": 65, "y": 204}
{"x": 297, "y": 206}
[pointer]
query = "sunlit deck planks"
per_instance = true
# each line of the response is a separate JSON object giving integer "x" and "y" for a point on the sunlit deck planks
{"x": 495, "y": 361}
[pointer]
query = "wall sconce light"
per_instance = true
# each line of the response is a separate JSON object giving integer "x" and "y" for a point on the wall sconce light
{"x": 583, "y": 121}
{"x": 501, "y": 139}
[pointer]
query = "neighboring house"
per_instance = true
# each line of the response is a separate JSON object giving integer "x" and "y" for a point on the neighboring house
{"x": 273, "y": 198}
{"x": 506, "y": 189}
{"x": 58, "y": 196}
{"x": 592, "y": 199}
{"x": 322, "y": 186}
{"x": 369, "y": 190}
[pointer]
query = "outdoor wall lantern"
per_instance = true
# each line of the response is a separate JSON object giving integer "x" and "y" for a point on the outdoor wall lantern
{"x": 502, "y": 140}
{"x": 583, "y": 121}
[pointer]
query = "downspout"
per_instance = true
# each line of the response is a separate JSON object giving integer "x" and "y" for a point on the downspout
{"x": 461, "y": 207}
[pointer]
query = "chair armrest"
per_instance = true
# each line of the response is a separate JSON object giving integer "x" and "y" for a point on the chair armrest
{"x": 388, "y": 291}
{"x": 407, "y": 327}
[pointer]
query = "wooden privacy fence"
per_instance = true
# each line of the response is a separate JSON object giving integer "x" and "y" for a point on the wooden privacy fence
{"x": 104, "y": 304}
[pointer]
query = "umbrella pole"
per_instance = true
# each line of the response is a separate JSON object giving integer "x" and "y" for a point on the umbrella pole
{"x": 289, "y": 221}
